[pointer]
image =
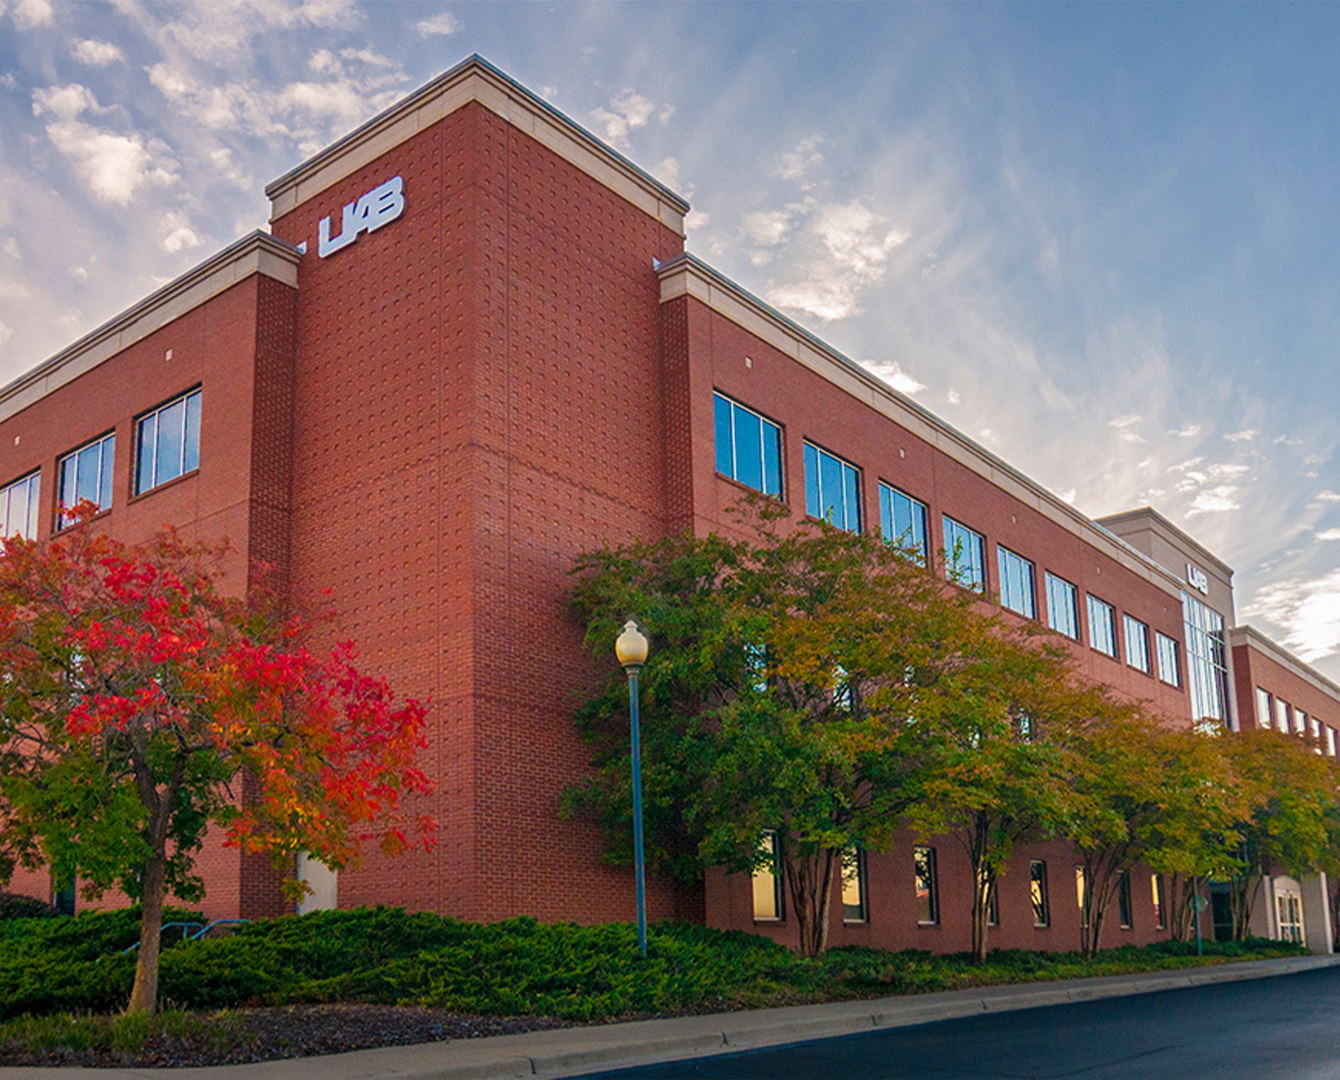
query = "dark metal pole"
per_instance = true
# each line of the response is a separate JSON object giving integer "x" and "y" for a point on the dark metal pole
{"x": 637, "y": 817}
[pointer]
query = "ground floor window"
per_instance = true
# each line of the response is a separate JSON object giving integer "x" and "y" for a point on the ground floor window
{"x": 1156, "y": 886}
{"x": 928, "y": 891}
{"x": 768, "y": 880}
{"x": 1289, "y": 908}
{"x": 1037, "y": 884}
{"x": 1124, "y": 900}
{"x": 853, "y": 885}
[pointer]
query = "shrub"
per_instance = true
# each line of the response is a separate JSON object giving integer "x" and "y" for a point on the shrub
{"x": 14, "y": 906}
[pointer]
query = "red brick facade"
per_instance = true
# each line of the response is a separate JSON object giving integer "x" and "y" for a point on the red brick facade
{"x": 431, "y": 423}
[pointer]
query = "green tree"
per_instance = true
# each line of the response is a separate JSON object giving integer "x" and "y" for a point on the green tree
{"x": 139, "y": 706}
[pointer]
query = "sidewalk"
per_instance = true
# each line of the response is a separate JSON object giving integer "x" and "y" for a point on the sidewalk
{"x": 570, "y": 1051}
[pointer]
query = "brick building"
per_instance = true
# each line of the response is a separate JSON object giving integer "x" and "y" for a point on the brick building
{"x": 473, "y": 346}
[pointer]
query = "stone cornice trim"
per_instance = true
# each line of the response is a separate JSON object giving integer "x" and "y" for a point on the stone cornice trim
{"x": 256, "y": 253}
{"x": 686, "y": 275}
{"x": 1173, "y": 535}
{"x": 475, "y": 79}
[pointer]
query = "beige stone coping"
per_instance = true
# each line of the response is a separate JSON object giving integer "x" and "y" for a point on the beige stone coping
{"x": 477, "y": 80}
{"x": 687, "y": 275}
{"x": 257, "y": 253}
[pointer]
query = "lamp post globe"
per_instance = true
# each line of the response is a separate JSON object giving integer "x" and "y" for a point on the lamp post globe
{"x": 631, "y": 649}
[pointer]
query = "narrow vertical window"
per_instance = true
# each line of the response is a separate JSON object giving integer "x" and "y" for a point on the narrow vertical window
{"x": 1282, "y": 715}
{"x": 1137, "y": 643}
{"x": 1299, "y": 721}
{"x": 1102, "y": 627}
{"x": 1330, "y": 741}
{"x": 169, "y": 442}
{"x": 86, "y": 474}
{"x": 902, "y": 521}
{"x": 768, "y": 880}
{"x": 992, "y": 902}
{"x": 748, "y": 446}
{"x": 927, "y": 888}
{"x": 853, "y": 885}
{"x": 18, "y": 507}
{"x": 832, "y": 489}
{"x": 1016, "y": 583}
{"x": 1124, "y": 900}
{"x": 1156, "y": 886}
{"x": 1170, "y": 668}
{"x": 965, "y": 556}
{"x": 1264, "y": 711}
{"x": 1062, "y": 607}
{"x": 1037, "y": 887}
{"x": 1080, "y": 885}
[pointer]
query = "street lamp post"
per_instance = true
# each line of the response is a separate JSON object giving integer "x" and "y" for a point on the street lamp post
{"x": 631, "y": 649}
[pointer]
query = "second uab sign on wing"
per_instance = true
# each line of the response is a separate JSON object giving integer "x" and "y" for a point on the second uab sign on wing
{"x": 369, "y": 212}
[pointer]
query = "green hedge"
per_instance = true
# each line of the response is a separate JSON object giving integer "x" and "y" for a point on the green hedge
{"x": 517, "y": 967}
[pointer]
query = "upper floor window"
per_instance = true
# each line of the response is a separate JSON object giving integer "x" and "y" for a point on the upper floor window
{"x": 965, "y": 556}
{"x": 86, "y": 473}
{"x": 749, "y": 447}
{"x": 832, "y": 489}
{"x": 18, "y": 507}
{"x": 1016, "y": 583}
{"x": 169, "y": 442}
{"x": 1102, "y": 626}
{"x": 1062, "y": 607}
{"x": 1170, "y": 670}
{"x": 1282, "y": 714}
{"x": 1137, "y": 643}
{"x": 902, "y": 520}
{"x": 1264, "y": 711}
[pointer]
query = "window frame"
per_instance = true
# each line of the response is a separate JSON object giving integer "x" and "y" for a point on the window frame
{"x": 1028, "y": 591}
{"x": 1093, "y": 604}
{"x": 32, "y": 481}
{"x": 952, "y": 570}
{"x": 1156, "y": 886}
{"x": 887, "y": 495}
{"x": 718, "y": 398}
{"x": 1130, "y": 623}
{"x": 849, "y": 483}
{"x": 1037, "y": 893}
{"x": 923, "y": 855}
{"x": 138, "y": 485}
{"x": 853, "y": 871}
{"x": 1125, "y": 908}
{"x": 106, "y": 476}
{"x": 1265, "y": 708}
{"x": 1169, "y": 656}
{"x": 1049, "y": 577}
{"x": 770, "y": 838}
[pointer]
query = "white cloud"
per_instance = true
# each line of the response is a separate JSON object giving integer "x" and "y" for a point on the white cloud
{"x": 767, "y": 228}
{"x": 5, "y": 333}
{"x": 1214, "y": 500}
{"x": 893, "y": 374}
{"x": 1190, "y": 431}
{"x": 222, "y": 31}
{"x": 806, "y": 156}
{"x": 1308, "y": 611}
{"x": 96, "y": 53}
{"x": 14, "y": 290}
{"x": 1246, "y": 435}
{"x": 32, "y": 13}
{"x": 667, "y": 172}
{"x": 1067, "y": 496}
{"x": 628, "y": 111}
{"x": 1125, "y": 421}
{"x": 1329, "y": 534}
{"x": 857, "y": 246}
{"x": 952, "y": 396}
{"x": 177, "y": 234}
{"x": 66, "y": 102}
{"x": 697, "y": 219}
{"x": 438, "y": 25}
{"x": 1328, "y": 496}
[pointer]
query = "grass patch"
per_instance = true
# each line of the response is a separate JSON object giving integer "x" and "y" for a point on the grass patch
{"x": 55, "y": 972}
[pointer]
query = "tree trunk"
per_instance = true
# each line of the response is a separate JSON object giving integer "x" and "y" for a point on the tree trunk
{"x": 810, "y": 880}
{"x": 144, "y": 995}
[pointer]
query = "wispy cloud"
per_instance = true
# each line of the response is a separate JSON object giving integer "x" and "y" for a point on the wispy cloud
{"x": 628, "y": 110}
{"x": 1246, "y": 435}
{"x": 438, "y": 25}
{"x": 96, "y": 53}
{"x": 892, "y": 373}
{"x": 1307, "y": 610}
{"x": 29, "y": 14}
{"x": 1329, "y": 534}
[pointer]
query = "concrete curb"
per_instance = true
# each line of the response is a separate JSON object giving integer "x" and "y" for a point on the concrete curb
{"x": 568, "y": 1051}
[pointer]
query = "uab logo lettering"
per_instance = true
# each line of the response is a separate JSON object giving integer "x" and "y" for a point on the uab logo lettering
{"x": 370, "y": 211}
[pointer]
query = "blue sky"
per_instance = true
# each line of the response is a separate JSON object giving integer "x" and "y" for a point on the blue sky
{"x": 1101, "y": 240}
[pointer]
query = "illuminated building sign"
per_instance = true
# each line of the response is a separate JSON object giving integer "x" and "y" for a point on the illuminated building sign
{"x": 370, "y": 211}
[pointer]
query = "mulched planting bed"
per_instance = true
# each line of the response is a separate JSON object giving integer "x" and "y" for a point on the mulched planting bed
{"x": 241, "y": 1036}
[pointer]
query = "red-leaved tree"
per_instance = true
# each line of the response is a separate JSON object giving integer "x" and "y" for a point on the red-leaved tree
{"x": 139, "y": 705}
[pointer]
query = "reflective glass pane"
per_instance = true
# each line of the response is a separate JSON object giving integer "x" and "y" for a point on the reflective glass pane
{"x": 772, "y": 459}
{"x": 830, "y": 490}
{"x": 191, "y": 449}
{"x": 144, "y": 468}
{"x": 851, "y": 498}
{"x": 34, "y": 497}
{"x": 748, "y": 449}
{"x": 725, "y": 448}
{"x": 108, "y": 462}
{"x": 813, "y": 497}
{"x": 171, "y": 428}
{"x": 69, "y": 477}
{"x": 90, "y": 465}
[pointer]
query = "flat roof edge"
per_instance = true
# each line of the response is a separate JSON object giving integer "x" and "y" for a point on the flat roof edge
{"x": 1179, "y": 533}
{"x": 269, "y": 256}
{"x": 1248, "y": 635}
{"x": 474, "y": 66}
{"x": 688, "y": 263}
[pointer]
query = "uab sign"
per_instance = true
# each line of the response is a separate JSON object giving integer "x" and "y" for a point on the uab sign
{"x": 369, "y": 212}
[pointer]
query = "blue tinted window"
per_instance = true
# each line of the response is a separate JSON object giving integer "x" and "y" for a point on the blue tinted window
{"x": 18, "y": 507}
{"x": 832, "y": 489}
{"x": 1062, "y": 608}
{"x": 169, "y": 442}
{"x": 965, "y": 556}
{"x": 748, "y": 446}
{"x": 87, "y": 474}
{"x": 1102, "y": 626}
{"x": 902, "y": 521}
{"x": 1016, "y": 583}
